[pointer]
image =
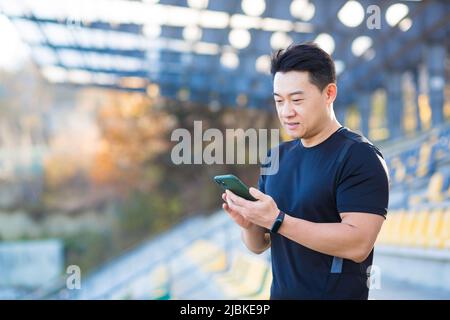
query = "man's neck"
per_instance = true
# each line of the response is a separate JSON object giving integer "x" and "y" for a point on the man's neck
{"x": 322, "y": 135}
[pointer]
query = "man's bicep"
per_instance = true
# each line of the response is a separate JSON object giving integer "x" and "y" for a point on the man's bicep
{"x": 367, "y": 224}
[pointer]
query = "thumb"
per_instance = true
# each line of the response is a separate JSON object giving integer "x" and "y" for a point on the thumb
{"x": 256, "y": 193}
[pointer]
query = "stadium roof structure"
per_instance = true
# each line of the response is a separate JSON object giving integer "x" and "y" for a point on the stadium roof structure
{"x": 218, "y": 51}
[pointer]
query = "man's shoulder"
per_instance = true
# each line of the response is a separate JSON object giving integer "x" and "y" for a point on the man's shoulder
{"x": 358, "y": 142}
{"x": 356, "y": 150}
{"x": 363, "y": 157}
{"x": 353, "y": 136}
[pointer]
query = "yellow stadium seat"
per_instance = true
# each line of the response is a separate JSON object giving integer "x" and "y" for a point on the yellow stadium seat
{"x": 419, "y": 228}
{"x": 441, "y": 239}
{"x": 160, "y": 287}
{"x": 209, "y": 256}
{"x": 445, "y": 243}
{"x": 424, "y": 158}
{"x": 264, "y": 292}
{"x": 433, "y": 228}
{"x": 394, "y": 236}
{"x": 251, "y": 283}
{"x": 406, "y": 226}
{"x": 386, "y": 229}
{"x": 238, "y": 269}
{"x": 434, "y": 192}
{"x": 154, "y": 285}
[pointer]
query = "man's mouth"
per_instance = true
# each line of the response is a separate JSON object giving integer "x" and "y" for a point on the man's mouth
{"x": 292, "y": 125}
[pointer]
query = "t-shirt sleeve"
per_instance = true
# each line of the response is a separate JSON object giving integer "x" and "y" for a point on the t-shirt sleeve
{"x": 363, "y": 185}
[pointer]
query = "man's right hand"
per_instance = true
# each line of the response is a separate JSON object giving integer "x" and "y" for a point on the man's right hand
{"x": 239, "y": 219}
{"x": 253, "y": 236}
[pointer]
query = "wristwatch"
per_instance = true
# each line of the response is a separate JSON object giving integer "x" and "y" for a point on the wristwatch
{"x": 278, "y": 221}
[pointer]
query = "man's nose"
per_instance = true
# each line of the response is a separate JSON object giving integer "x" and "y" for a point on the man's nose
{"x": 287, "y": 110}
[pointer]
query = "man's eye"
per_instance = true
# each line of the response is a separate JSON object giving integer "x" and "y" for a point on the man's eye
{"x": 297, "y": 100}
{"x": 278, "y": 101}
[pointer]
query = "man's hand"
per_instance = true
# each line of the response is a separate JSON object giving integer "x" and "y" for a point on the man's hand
{"x": 238, "y": 218}
{"x": 262, "y": 212}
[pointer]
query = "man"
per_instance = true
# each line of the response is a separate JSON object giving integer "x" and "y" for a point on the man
{"x": 325, "y": 206}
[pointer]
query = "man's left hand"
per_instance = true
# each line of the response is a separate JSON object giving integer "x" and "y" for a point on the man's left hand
{"x": 262, "y": 212}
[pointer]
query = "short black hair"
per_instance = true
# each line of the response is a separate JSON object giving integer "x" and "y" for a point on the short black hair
{"x": 305, "y": 57}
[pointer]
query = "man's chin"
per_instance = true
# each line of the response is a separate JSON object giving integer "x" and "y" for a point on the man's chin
{"x": 294, "y": 134}
{"x": 297, "y": 133}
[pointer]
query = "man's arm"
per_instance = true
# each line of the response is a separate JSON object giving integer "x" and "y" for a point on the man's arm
{"x": 256, "y": 239}
{"x": 352, "y": 238}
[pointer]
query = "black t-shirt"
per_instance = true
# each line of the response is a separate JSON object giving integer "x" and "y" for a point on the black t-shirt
{"x": 344, "y": 173}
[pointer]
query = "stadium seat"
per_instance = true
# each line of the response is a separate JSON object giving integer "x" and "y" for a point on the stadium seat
{"x": 153, "y": 285}
{"x": 246, "y": 278}
{"x": 406, "y": 226}
{"x": 264, "y": 291}
{"x": 160, "y": 284}
{"x": 433, "y": 228}
{"x": 237, "y": 270}
{"x": 423, "y": 165}
{"x": 419, "y": 228}
{"x": 387, "y": 230}
{"x": 396, "y": 220}
{"x": 209, "y": 256}
{"x": 434, "y": 192}
{"x": 441, "y": 239}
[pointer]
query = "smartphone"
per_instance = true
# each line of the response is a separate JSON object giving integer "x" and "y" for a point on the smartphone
{"x": 232, "y": 183}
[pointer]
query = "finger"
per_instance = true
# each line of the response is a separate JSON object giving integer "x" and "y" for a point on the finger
{"x": 234, "y": 207}
{"x": 227, "y": 208}
{"x": 241, "y": 202}
{"x": 230, "y": 211}
{"x": 229, "y": 194}
{"x": 234, "y": 215}
{"x": 231, "y": 197}
{"x": 256, "y": 193}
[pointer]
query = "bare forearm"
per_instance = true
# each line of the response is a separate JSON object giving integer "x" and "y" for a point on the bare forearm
{"x": 336, "y": 239}
{"x": 255, "y": 239}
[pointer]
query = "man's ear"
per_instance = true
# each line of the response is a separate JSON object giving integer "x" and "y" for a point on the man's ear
{"x": 330, "y": 93}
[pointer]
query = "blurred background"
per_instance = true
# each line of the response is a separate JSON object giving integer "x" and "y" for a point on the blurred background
{"x": 91, "y": 91}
